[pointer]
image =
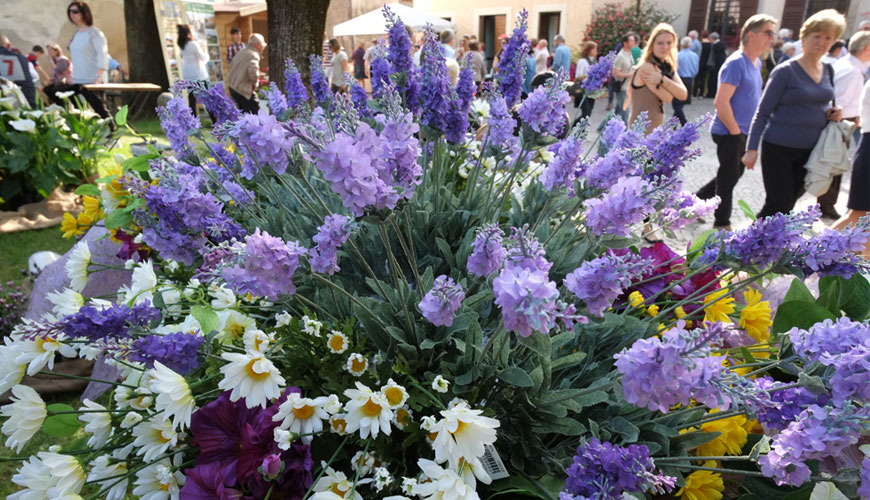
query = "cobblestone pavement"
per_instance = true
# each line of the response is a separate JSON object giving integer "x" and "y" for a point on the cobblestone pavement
{"x": 698, "y": 172}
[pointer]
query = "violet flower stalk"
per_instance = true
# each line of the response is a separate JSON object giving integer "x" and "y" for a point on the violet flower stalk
{"x": 264, "y": 267}
{"x": 440, "y": 304}
{"x": 331, "y": 235}
{"x": 488, "y": 253}
{"x": 293, "y": 86}
{"x": 511, "y": 67}
{"x": 600, "y": 281}
{"x": 599, "y": 73}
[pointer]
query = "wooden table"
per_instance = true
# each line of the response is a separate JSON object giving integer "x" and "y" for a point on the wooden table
{"x": 139, "y": 93}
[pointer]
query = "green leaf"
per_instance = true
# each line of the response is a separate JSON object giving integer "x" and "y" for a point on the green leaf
{"x": 569, "y": 360}
{"x": 517, "y": 377}
{"x": 208, "y": 319}
{"x": 856, "y": 303}
{"x": 692, "y": 440}
{"x": 445, "y": 251}
{"x": 813, "y": 383}
{"x": 88, "y": 190}
{"x": 121, "y": 116}
{"x": 799, "y": 292}
{"x": 701, "y": 240}
{"x": 140, "y": 163}
{"x": 829, "y": 294}
{"x": 60, "y": 425}
{"x": 747, "y": 356}
{"x": 118, "y": 218}
{"x": 624, "y": 428}
{"x": 799, "y": 314}
{"x": 747, "y": 211}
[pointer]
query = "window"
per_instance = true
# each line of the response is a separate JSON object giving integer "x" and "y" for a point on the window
{"x": 725, "y": 20}
{"x": 491, "y": 27}
{"x": 814, "y": 6}
{"x": 548, "y": 27}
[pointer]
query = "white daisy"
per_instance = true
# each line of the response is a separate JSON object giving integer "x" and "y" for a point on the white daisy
{"x": 35, "y": 477}
{"x": 172, "y": 300}
{"x": 129, "y": 264}
{"x": 235, "y": 325}
{"x": 173, "y": 395}
{"x": 338, "y": 483}
{"x": 367, "y": 411}
{"x": 404, "y": 416}
{"x": 363, "y": 462}
{"x": 41, "y": 351}
{"x": 11, "y": 372}
{"x": 65, "y": 471}
{"x": 258, "y": 341}
{"x": 463, "y": 433}
{"x": 338, "y": 424}
{"x": 311, "y": 326}
{"x": 143, "y": 283}
{"x": 302, "y": 415}
{"x": 153, "y": 438}
{"x": 337, "y": 342}
{"x": 158, "y": 482}
{"x": 66, "y": 302}
{"x": 440, "y": 384}
{"x": 130, "y": 419}
{"x": 395, "y": 394}
{"x": 333, "y": 404}
{"x": 382, "y": 478}
{"x": 171, "y": 266}
{"x": 251, "y": 376}
{"x": 98, "y": 422}
{"x": 325, "y": 495}
{"x": 283, "y": 319}
{"x": 356, "y": 364}
{"x": 77, "y": 266}
{"x": 443, "y": 484}
{"x": 224, "y": 298}
{"x": 26, "y": 413}
{"x": 102, "y": 468}
{"x": 284, "y": 439}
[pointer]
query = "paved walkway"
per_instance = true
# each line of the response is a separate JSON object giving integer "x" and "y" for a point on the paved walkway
{"x": 698, "y": 172}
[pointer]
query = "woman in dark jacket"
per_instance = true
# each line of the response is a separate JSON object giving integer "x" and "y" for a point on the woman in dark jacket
{"x": 703, "y": 69}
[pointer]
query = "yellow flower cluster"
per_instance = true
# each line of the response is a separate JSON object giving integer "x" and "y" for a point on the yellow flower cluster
{"x": 703, "y": 485}
{"x": 755, "y": 317}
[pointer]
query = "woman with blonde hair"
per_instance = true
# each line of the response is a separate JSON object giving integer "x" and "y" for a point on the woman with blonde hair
{"x": 654, "y": 81}
{"x": 794, "y": 108}
{"x": 61, "y": 72}
{"x": 588, "y": 56}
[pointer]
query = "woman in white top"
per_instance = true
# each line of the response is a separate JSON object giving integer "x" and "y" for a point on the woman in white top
{"x": 588, "y": 56}
{"x": 193, "y": 60}
{"x": 89, "y": 54}
{"x": 859, "y": 192}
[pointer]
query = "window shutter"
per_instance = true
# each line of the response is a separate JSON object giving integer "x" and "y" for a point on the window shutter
{"x": 793, "y": 15}
{"x": 698, "y": 15}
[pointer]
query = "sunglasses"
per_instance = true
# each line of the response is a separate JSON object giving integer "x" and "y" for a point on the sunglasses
{"x": 74, "y": 11}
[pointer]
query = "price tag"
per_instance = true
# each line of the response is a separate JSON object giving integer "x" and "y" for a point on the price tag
{"x": 10, "y": 68}
{"x": 492, "y": 463}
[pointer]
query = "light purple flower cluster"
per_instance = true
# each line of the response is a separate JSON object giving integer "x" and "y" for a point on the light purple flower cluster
{"x": 330, "y": 236}
{"x": 360, "y": 100}
{"x": 864, "y": 488}
{"x": 683, "y": 208}
{"x": 109, "y": 323}
{"x": 400, "y": 150}
{"x": 293, "y": 86}
{"x": 786, "y": 405}
{"x": 456, "y": 122}
{"x": 599, "y": 281}
{"x": 769, "y": 239}
{"x": 263, "y": 143}
{"x": 626, "y": 203}
{"x": 176, "y": 350}
{"x": 441, "y": 302}
{"x": 851, "y": 374}
{"x": 617, "y": 136}
{"x": 319, "y": 81}
{"x": 599, "y": 73}
{"x": 669, "y": 147}
{"x": 544, "y": 109}
{"x": 177, "y": 120}
{"x": 264, "y": 267}
{"x": 436, "y": 88}
{"x": 511, "y": 66}
{"x": 527, "y": 299}
{"x": 465, "y": 87}
{"x": 833, "y": 253}
{"x": 606, "y": 170}
{"x": 500, "y": 125}
{"x": 817, "y": 433}
{"x": 561, "y": 172}
{"x": 277, "y": 101}
{"x": 412, "y": 91}
{"x": 380, "y": 69}
{"x": 488, "y": 254}
{"x": 829, "y": 337}
{"x": 525, "y": 251}
{"x": 215, "y": 100}
{"x": 603, "y": 471}
{"x": 399, "y": 47}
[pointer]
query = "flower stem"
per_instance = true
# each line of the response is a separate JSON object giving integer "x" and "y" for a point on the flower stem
{"x": 323, "y": 470}
{"x": 66, "y": 375}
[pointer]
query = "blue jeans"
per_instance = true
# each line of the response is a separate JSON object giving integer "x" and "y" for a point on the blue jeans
{"x": 620, "y": 100}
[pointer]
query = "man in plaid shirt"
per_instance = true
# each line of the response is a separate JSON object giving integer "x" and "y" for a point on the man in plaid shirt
{"x": 236, "y": 46}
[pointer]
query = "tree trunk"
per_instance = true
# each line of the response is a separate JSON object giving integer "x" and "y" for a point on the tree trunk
{"x": 295, "y": 31}
{"x": 144, "y": 49}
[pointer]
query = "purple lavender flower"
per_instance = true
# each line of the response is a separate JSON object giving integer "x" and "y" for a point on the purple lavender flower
{"x": 360, "y": 100}
{"x": 500, "y": 125}
{"x": 864, "y": 488}
{"x": 563, "y": 169}
{"x": 216, "y": 102}
{"x": 436, "y": 88}
{"x": 176, "y": 350}
{"x": 544, "y": 109}
{"x": 625, "y": 204}
{"x": 787, "y": 404}
{"x": 277, "y": 101}
{"x": 669, "y": 147}
{"x": 527, "y": 299}
{"x": 600, "y": 281}
{"x": 851, "y": 373}
{"x": 525, "y": 251}
{"x": 833, "y": 253}
{"x": 442, "y": 301}
{"x": 112, "y": 322}
{"x": 400, "y": 43}
{"x": 265, "y": 266}
{"x": 456, "y": 122}
{"x": 683, "y": 208}
{"x": 319, "y": 81}
{"x": 603, "y": 471}
{"x": 293, "y": 86}
{"x": 380, "y": 69}
{"x": 769, "y": 239}
{"x": 177, "y": 120}
{"x": 238, "y": 193}
{"x": 606, "y": 170}
{"x": 599, "y": 73}
{"x": 263, "y": 142}
{"x": 511, "y": 66}
{"x": 400, "y": 150}
{"x": 412, "y": 91}
{"x": 617, "y": 136}
{"x": 488, "y": 253}
{"x": 829, "y": 337}
{"x": 331, "y": 235}
{"x": 817, "y": 433}
{"x": 465, "y": 87}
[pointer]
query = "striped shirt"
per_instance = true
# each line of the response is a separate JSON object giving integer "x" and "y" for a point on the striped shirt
{"x": 233, "y": 49}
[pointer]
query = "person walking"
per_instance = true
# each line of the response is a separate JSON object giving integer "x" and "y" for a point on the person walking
{"x": 359, "y": 64}
{"x": 561, "y": 56}
{"x": 541, "y": 56}
{"x": 446, "y": 39}
{"x": 859, "y": 193}
{"x": 236, "y": 46}
{"x": 654, "y": 82}
{"x": 61, "y": 72}
{"x": 194, "y": 57}
{"x": 737, "y": 96}
{"x": 529, "y": 73}
{"x": 704, "y": 63}
{"x": 16, "y": 68}
{"x": 33, "y": 58}
{"x": 794, "y": 108}
{"x": 244, "y": 74}
{"x": 622, "y": 66}
{"x": 588, "y": 56}
{"x": 89, "y": 53}
{"x": 687, "y": 62}
{"x": 695, "y": 45}
{"x": 849, "y": 74}
{"x": 478, "y": 63}
{"x": 717, "y": 55}
{"x": 339, "y": 67}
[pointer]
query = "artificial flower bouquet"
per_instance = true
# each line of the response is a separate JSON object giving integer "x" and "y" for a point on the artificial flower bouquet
{"x": 378, "y": 297}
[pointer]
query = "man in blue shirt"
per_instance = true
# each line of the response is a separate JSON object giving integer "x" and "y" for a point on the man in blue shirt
{"x": 737, "y": 96}
{"x": 687, "y": 68}
{"x": 561, "y": 56}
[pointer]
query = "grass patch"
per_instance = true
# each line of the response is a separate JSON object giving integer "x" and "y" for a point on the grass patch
{"x": 15, "y": 248}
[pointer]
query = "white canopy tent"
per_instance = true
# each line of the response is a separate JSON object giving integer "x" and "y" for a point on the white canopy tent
{"x": 373, "y": 23}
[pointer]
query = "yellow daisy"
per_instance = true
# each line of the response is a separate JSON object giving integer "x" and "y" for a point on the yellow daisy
{"x": 92, "y": 207}
{"x": 718, "y": 310}
{"x": 635, "y": 299}
{"x": 703, "y": 485}
{"x": 755, "y": 317}
{"x": 731, "y": 439}
{"x": 70, "y": 226}
{"x": 653, "y": 310}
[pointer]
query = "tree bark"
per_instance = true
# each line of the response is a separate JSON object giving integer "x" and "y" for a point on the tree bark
{"x": 295, "y": 31}
{"x": 144, "y": 48}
